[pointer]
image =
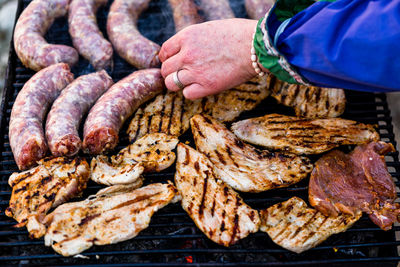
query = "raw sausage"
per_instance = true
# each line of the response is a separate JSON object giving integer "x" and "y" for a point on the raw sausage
{"x": 67, "y": 111}
{"x": 130, "y": 44}
{"x": 256, "y": 9}
{"x": 185, "y": 13}
{"x": 26, "y": 133}
{"x": 86, "y": 36}
{"x": 112, "y": 109}
{"x": 216, "y": 9}
{"x": 30, "y": 46}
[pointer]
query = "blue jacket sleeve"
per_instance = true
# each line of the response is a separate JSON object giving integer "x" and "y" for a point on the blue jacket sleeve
{"x": 352, "y": 44}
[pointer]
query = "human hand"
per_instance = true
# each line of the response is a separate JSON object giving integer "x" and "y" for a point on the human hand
{"x": 211, "y": 57}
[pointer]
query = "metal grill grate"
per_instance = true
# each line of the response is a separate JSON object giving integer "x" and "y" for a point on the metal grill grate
{"x": 172, "y": 238}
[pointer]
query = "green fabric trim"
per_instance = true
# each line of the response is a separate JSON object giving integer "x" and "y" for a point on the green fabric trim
{"x": 269, "y": 61}
{"x": 285, "y": 9}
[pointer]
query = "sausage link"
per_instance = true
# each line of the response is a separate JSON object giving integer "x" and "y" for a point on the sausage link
{"x": 216, "y": 9}
{"x": 129, "y": 43}
{"x": 67, "y": 111}
{"x": 30, "y": 46}
{"x": 256, "y": 9}
{"x": 86, "y": 36}
{"x": 185, "y": 13}
{"x": 26, "y": 133}
{"x": 112, "y": 109}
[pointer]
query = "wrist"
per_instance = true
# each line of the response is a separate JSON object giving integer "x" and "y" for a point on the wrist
{"x": 257, "y": 67}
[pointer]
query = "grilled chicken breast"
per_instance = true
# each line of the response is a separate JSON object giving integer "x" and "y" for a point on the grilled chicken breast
{"x": 309, "y": 101}
{"x": 242, "y": 166}
{"x": 170, "y": 113}
{"x": 36, "y": 191}
{"x": 294, "y": 226}
{"x": 152, "y": 152}
{"x": 112, "y": 215}
{"x": 217, "y": 210}
{"x": 359, "y": 181}
{"x": 303, "y": 136}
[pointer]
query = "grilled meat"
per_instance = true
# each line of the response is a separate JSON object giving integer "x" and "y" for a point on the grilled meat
{"x": 170, "y": 113}
{"x": 356, "y": 182}
{"x": 113, "y": 215}
{"x": 242, "y": 166}
{"x": 217, "y": 210}
{"x": 309, "y": 101}
{"x": 303, "y": 136}
{"x": 294, "y": 226}
{"x": 36, "y": 191}
{"x": 152, "y": 152}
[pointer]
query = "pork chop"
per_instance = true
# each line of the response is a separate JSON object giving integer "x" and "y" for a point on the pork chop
{"x": 217, "y": 210}
{"x": 35, "y": 191}
{"x": 242, "y": 166}
{"x": 303, "y": 136}
{"x": 113, "y": 215}
{"x": 294, "y": 226}
{"x": 359, "y": 181}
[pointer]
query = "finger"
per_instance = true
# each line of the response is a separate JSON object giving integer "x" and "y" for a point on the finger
{"x": 171, "y": 65}
{"x": 183, "y": 75}
{"x": 195, "y": 91}
{"x": 169, "y": 48}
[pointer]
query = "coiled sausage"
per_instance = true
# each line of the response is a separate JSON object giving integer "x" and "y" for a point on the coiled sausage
{"x": 67, "y": 111}
{"x": 26, "y": 133}
{"x": 112, "y": 109}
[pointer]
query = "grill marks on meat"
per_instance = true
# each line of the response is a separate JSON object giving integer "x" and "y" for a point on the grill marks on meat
{"x": 303, "y": 136}
{"x": 242, "y": 166}
{"x": 151, "y": 153}
{"x": 170, "y": 113}
{"x": 354, "y": 182}
{"x": 48, "y": 185}
{"x": 113, "y": 215}
{"x": 216, "y": 209}
{"x": 309, "y": 101}
{"x": 294, "y": 226}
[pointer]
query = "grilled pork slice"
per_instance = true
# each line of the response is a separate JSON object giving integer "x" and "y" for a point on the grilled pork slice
{"x": 113, "y": 215}
{"x": 152, "y": 152}
{"x": 354, "y": 182}
{"x": 303, "y": 136}
{"x": 170, "y": 113}
{"x": 242, "y": 166}
{"x": 36, "y": 191}
{"x": 294, "y": 226}
{"x": 309, "y": 101}
{"x": 217, "y": 210}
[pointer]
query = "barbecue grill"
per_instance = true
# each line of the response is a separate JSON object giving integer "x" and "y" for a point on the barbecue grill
{"x": 172, "y": 238}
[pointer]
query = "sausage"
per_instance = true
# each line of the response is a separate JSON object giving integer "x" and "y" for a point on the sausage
{"x": 26, "y": 133}
{"x": 256, "y": 9}
{"x": 100, "y": 133}
{"x": 86, "y": 36}
{"x": 30, "y": 46}
{"x": 185, "y": 13}
{"x": 67, "y": 111}
{"x": 216, "y": 9}
{"x": 129, "y": 43}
